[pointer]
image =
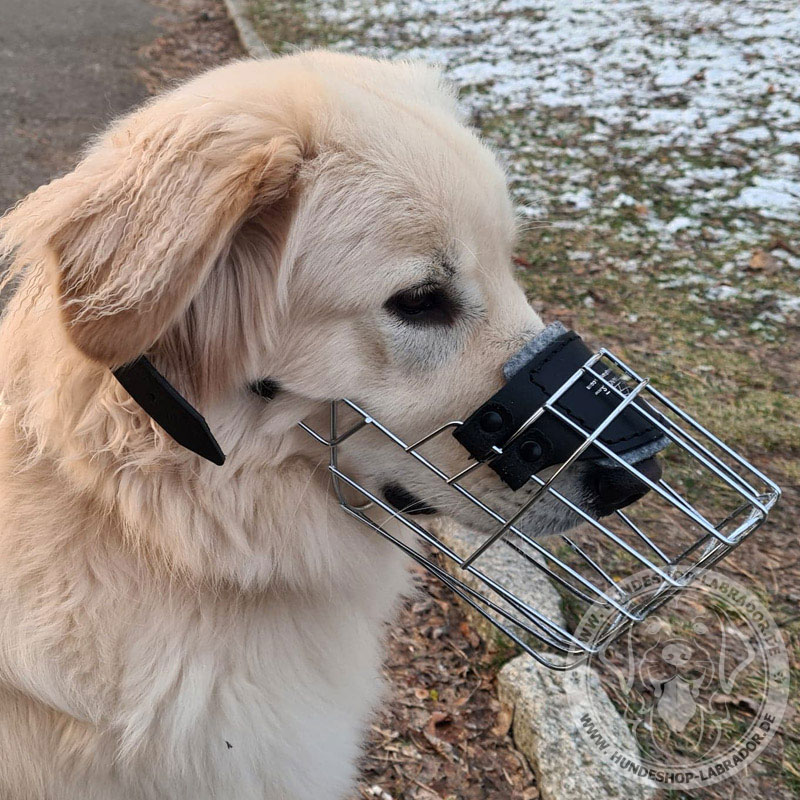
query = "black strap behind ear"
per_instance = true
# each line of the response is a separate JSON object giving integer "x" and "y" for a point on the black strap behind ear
{"x": 173, "y": 412}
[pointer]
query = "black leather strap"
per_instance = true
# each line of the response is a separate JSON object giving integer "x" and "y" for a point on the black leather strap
{"x": 173, "y": 412}
{"x": 549, "y": 440}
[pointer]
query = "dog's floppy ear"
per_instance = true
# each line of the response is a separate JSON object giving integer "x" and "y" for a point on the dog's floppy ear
{"x": 130, "y": 236}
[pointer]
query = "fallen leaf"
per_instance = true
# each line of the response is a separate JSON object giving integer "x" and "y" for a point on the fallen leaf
{"x": 437, "y": 718}
{"x": 761, "y": 260}
{"x": 504, "y": 719}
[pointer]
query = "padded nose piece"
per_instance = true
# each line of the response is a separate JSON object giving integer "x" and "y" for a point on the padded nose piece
{"x": 615, "y": 487}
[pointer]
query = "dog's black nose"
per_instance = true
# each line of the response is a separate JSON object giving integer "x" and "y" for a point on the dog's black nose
{"x": 613, "y": 488}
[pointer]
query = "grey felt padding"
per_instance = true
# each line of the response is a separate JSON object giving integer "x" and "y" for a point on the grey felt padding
{"x": 543, "y": 339}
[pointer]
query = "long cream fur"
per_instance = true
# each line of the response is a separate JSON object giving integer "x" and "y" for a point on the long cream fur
{"x": 168, "y": 628}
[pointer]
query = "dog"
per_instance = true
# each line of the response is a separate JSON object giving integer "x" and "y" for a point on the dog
{"x": 170, "y": 628}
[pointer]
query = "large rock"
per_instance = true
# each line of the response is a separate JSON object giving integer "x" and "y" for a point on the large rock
{"x": 547, "y": 703}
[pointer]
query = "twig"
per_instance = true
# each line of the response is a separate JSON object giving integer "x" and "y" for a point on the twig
{"x": 425, "y": 787}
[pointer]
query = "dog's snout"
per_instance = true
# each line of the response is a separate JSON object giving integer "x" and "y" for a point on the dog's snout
{"x": 614, "y": 488}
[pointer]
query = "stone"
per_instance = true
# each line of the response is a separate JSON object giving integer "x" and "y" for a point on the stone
{"x": 547, "y": 703}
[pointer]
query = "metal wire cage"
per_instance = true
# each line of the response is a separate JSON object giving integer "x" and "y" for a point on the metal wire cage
{"x": 682, "y": 527}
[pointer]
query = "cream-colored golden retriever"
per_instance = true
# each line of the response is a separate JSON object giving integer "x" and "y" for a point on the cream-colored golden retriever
{"x": 174, "y": 629}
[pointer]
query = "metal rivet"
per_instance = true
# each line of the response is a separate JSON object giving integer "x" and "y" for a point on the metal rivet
{"x": 491, "y": 421}
{"x": 530, "y": 451}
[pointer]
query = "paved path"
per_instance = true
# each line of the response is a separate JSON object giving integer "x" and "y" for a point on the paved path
{"x": 66, "y": 68}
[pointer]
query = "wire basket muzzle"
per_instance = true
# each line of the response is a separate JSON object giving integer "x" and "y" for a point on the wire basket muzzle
{"x": 708, "y": 501}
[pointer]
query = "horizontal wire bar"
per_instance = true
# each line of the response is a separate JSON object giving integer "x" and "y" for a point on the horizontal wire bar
{"x": 549, "y": 572}
{"x": 597, "y": 525}
{"x": 510, "y": 598}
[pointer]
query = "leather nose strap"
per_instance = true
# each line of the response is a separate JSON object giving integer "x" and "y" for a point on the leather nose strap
{"x": 550, "y": 441}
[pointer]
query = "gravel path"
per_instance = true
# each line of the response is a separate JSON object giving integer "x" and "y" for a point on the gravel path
{"x": 67, "y": 67}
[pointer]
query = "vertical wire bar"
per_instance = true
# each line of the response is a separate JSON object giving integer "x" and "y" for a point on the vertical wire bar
{"x": 697, "y": 426}
{"x": 555, "y": 397}
{"x": 677, "y": 498}
{"x": 587, "y": 443}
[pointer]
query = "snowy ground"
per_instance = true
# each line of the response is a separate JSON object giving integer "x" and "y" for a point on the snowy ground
{"x": 674, "y": 124}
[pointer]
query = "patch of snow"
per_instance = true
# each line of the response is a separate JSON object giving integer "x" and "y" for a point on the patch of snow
{"x": 581, "y": 199}
{"x": 774, "y": 197}
{"x": 623, "y": 199}
{"x": 789, "y": 304}
{"x": 670, "y": 74}
{"x": 680, "y": 281}
{"x": 714, "y": 174}
{"x": 722, "y": 293}
{"x": 757, "y": 134}
{"x": 791, "y": 160}
{"x": 679, "y": 223}
{"x": 789, "y": 259}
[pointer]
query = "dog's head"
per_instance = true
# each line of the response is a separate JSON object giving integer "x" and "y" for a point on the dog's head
{"x": 322, "y": 221}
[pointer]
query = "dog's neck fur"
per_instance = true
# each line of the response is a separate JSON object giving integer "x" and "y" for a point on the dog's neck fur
{"x": 103, "y": 523}
{"x": 97, "y": 443}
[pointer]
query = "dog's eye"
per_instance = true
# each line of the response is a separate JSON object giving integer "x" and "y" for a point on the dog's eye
{"x": 422, "y": 305}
